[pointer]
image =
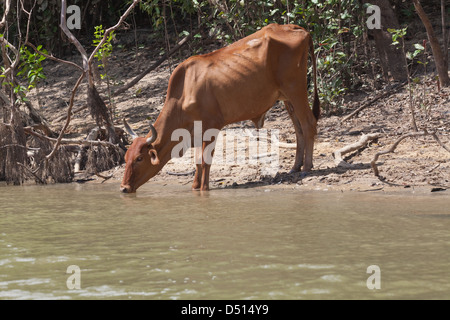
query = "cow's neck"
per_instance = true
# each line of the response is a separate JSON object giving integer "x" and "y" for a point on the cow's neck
{"x": 165, "y": 124}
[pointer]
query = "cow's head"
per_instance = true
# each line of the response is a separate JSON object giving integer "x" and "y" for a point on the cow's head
{"x": 141, "y": 161}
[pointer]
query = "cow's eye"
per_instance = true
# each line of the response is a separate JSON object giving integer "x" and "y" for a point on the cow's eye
{"x": 139, "y": 159}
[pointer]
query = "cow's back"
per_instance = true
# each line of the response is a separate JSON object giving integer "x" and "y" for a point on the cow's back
{"x": 240, "y": 81}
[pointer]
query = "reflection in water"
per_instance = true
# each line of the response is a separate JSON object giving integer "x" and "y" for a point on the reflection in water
{"x": 171, "y": 243}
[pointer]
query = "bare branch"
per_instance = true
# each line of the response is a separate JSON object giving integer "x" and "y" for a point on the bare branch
{"x": 153, "y": 66}
{"x": 69, "y": 114}
{"x": 31, "y": 172}
{"x": 339, "y": 162}
{"x": 435, "y": 136}
{"x": 29, "y": 17}
{"x": 375, "y": 99}
{"x": 163, "y": 58}
{"x": 6, "y": 44}
{"x": 51, "y": 57}
{"x": 397, "y": 142}
{"x": 5, "y": 13}
{"x": 72, "y": 39}
{"x": 13, "y": 146}
{"x": 187, "y": 173}
{"x": 104, "y": 177}
{"x": 63, "y": 117}
{"x": 82, "y": 142}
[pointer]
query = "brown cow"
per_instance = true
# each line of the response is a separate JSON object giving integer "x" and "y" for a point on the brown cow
{"x": 239, "y": 82}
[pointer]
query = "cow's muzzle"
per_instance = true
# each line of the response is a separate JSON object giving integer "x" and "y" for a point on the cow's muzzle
{"x": 127, "y": 189}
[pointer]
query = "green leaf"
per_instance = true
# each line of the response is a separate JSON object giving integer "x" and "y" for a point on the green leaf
{"x": 419, "y": 46}
{"x": 272, "y": 12}
{"x": 184, "y": 33}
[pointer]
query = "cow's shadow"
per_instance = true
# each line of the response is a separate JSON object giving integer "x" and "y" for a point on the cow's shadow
{"x": 297, "y": 177}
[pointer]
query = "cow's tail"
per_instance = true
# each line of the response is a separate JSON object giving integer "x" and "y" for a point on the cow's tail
{"x": 316, "y": 103}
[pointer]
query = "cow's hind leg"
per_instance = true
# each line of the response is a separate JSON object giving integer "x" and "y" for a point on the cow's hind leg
{"x": 300, "y": 152}
{"x": 297, "y": 95}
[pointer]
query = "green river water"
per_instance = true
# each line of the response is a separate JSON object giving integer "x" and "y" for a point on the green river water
{"x": 168, "y": 242}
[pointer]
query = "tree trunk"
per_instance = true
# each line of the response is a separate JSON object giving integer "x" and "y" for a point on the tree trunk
{"x": 389, "y": 54}
{"x": 438, "y": 54}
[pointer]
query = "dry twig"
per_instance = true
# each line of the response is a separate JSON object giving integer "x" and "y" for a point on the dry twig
{"x": 71, "y": 141}
{"x": 397, "y": 142}
{"x": 153, "y": 66}
{"x": 339, "y": 162}
{"x": 69, "y": 113}
{"x": 373, "y": 100}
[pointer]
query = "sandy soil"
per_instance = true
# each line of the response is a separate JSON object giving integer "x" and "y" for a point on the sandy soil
{"x": 417, "y": 162}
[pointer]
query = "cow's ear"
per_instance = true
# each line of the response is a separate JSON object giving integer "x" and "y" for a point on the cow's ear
{"x": 153, "y": 157}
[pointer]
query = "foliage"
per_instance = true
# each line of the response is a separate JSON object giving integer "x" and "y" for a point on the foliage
{"x": 102, "y": 56}
{"x": 105, "y": 50}
{"x": 30, "y": 69}
{"x": 176, "y": 9}
{"x": 336, "y": 27}
{"x": 397, "y": 34}
{"x": 31, "y": 66}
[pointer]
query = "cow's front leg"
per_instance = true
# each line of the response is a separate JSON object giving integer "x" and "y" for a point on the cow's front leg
{"x": 201, "y": 178}
{"x": 207, "y": 155}
{"x": 197, "y": 178}
{"x": 203, "y": 159}
{"x": 205, "y": 177}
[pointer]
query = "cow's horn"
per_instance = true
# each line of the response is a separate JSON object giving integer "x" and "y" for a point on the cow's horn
{"x": 154, "y": 135}
{"x": 129, "y": 130}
